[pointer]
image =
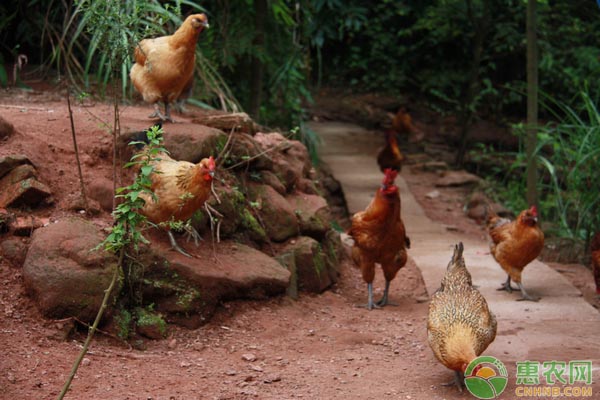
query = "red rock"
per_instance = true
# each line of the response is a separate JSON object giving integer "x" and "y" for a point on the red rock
{"x": 24, "y": 226}
{"x": 276, "y": 213}
{"x": 62, "y": 272}
{"x": 8, "y": 163}
{"x": 30, "y": 192}
{"x": 312, "y": 212}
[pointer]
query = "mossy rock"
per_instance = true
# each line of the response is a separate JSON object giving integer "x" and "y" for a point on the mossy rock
{"x": 187, "y": 290}
{"x": 150, "y": 323}
{"x": 276, "y": 213}
{"x": 311, "y": 264}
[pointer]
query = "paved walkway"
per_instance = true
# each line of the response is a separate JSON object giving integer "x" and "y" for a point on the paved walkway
{"x": 561, "y": 326}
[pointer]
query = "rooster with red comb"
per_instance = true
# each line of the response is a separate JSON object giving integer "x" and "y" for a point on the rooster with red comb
{"x": 514, "y": 245}
{"x": 380, "y": 237}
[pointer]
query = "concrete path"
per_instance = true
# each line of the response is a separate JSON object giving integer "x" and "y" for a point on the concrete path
{"x": 562, "y": 326}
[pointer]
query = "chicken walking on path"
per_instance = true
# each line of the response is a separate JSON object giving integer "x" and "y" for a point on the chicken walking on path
{"x": 562, "y": 326}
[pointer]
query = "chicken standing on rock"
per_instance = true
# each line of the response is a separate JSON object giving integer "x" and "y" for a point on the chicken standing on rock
{"x": 180, "y": 188}
{"x": 514, "y": 245}
{"x": 460, "y": 325}
{"x": 164, "y": 66}
{"x": 380, "y": 237}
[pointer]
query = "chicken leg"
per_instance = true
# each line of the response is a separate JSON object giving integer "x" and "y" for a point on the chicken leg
{"x": 370, "y": 303}
{"x": 459, "y": 379}
{"x": 176, "y": 246}
{"x": 506, "y": 286}
{"x": 524, "y": 295}
{"x": 158, "y": 114}
{"x": 384, "y": 300}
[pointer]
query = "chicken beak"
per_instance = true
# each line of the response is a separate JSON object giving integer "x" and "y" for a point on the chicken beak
{"x": 211, "y": 173}
{"x": 206, "y": 25}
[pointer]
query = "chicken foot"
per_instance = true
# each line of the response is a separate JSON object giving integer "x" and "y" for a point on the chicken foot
{"x": 459, "y": 379}
{"x": 370, "y": 304}
{"x": 163, "y": 117}
{"x": 384, "y": 300}
{"x": 524, "y": 295}
{"x": 192, "y": 233}
{"x": 176, "y": 246}
{"x": 506, "y": 286}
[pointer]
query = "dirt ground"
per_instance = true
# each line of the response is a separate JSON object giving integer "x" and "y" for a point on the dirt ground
{"x": 317, "y": 347}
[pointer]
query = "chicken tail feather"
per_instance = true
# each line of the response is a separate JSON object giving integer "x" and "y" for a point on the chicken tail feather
{"x": 457, "y": 257}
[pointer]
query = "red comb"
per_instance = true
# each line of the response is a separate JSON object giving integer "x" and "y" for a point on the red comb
{"x": 533, "y": 210}
{"x": 390, "y": 176}
{"x": 211, "y": 163}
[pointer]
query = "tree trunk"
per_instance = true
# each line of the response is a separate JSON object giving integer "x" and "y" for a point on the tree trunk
{"x": 482, "y": 27}
{"x": 256, "y": 87}
{"x": 532, "y": 103}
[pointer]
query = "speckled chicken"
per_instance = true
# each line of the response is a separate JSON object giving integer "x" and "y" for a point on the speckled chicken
{"x": 460, "y": 325}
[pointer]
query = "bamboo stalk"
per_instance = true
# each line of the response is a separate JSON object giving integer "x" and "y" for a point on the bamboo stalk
{"x": 81, "y": 182}
{"x": 92, "y": 330}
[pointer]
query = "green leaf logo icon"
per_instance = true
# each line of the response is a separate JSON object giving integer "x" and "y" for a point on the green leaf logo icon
{"x": 486, "y": 377}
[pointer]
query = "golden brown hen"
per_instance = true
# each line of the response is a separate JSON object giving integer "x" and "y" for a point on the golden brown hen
{"x": 180, "y": 188}
{"x": 164, "y": 66}
{"x": 380, "y": 237}
{"x": 515, "y": 244}
{"x": 460, "y": 325}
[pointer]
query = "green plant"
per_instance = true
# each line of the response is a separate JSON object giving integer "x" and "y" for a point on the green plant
{"x": 568, "y": 155}
{"x": 148, "y": 317}
{"x": 125, "y": 235}
{"x": 569, "y": 152}
{"x": 123, "y": 320}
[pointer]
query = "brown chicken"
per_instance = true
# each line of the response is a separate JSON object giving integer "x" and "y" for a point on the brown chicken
{"x": 595, "y": 249}
{"x": 180, "y": 189}
{"x": 390, "y": 155}
{"x": 460, "y": 325}
{"x": 164, "y": 66}
{"x": 379, "y": 237}
{"x": 514, "y": 245}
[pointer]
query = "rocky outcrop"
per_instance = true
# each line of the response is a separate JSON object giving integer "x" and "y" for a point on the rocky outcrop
{"x": 63, "y": 273}
{"x": 187, "y": 290}
{"x": 267, "y": 197}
